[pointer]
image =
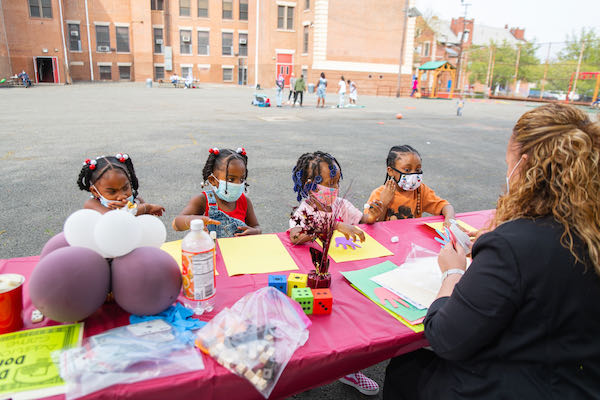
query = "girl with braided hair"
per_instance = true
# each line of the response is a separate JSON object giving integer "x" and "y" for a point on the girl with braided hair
{"x": 114, "y": 185}
{"x": 224, "y": 207}
{"x": 403, "y": 194}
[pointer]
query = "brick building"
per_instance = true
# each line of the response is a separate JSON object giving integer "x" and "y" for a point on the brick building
{"x": 212, "y": 40}
{"x": 437, "y": 40}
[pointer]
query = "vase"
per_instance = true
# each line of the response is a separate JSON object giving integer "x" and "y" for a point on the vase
{"x": 318, "y": 281}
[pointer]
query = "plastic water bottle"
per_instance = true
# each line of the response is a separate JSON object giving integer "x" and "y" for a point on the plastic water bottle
{"x": 198, "y": 269}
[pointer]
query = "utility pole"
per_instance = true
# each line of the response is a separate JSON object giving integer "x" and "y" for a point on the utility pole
{"x": 517, "y": 67}
{"x": 460, "y": 51}
{"x": 545, "y": 71}
{"x": 402, "y": 48}
{"x": 578, "y": 67}
{"x": 489, "y": 68}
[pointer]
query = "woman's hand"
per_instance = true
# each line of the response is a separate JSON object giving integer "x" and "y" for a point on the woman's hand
{"x": 451, "y": 258}
{"x": 350, "y": 231}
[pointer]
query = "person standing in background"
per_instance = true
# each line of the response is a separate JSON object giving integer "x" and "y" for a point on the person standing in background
{"x": 341, "y": 92}
{"x": 292, "y": 84}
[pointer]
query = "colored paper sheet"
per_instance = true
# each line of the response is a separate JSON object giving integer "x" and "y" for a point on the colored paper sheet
{"x": 256, "y": 254}
{"x": 174, "y": 250}
{"x": 440, "y": 225}
{"x": 415, "y": 328}
{"x": 370, "y": 248}
{"x": 361, "y": 279}
{"x": 27, "y": 370}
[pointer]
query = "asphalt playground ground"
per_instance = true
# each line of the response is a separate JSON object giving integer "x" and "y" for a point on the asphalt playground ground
{"x": 46, "y": 132}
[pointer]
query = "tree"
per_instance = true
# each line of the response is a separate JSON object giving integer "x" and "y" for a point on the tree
{"x": 568, "y": 58}
{"x": 505, "y": 56}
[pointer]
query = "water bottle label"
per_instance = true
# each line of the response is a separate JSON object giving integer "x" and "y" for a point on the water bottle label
{"x": 198, "y": 272}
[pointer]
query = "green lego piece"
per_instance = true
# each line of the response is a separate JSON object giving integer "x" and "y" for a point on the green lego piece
{"x": 305, "y": 298}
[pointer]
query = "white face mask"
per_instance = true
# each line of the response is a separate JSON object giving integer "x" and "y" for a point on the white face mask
{"x": 511, "y": 173}
{"x": 410, "y": 182}
{"x": 105, "y": 202}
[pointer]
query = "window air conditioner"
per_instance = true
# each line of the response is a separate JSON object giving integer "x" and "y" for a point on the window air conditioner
{"x": 186, "y": 38}
{"x": 74, "y": 33}
{"x": 243, "y": 41}
{"x": 159, "y": 41}
{"x": 105, "y": 49}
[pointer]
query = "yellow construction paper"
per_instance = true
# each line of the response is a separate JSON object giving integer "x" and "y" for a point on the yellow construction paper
{"x": 174, "y": 250}
{"x": 440, "y": 225}
{"x": 370, "y": 248}
{"x": 256, "y": 254}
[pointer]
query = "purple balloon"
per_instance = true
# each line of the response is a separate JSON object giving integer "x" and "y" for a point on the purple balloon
{"x": 70, "y": 284}
{"x": 146, "y": 281}
{"x": 56, "y": 242}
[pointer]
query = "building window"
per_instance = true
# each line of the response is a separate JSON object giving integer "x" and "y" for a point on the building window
{"x": 227, "y": 74}
{"x": 203, "y": 43}
{"x": 285, "y": 17}
{"x": 307, "y": 5}
{"x": 185, "y": 42}
{"x": 122, "y": 33}
{"x": 102, "y": 38}
{"x": 40, "y": 8}
{"x": 305, "y": 73}
{"x": 157, "y": 5}
{"x": 243, "y": 48}
{"x": 158, "y": 40}
{"x": 124, "y": 72}
{"x": 159, "y": 73}
{"x": 74, "y": 37}
{"x": 105, "y": 72}
{"x": 426, "y": 47}
{"x": 243, "y": 10}
{"x": 227, "y": 42}
{"x": 185, "y": 9}
{"x": 227, "y": 9}
{"x": 203, "y": 8}
{"x": 305, "y": 40}
{"x": 186, "y": 71}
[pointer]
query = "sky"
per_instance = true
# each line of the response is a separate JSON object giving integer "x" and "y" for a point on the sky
{"x": 543, "y": 20}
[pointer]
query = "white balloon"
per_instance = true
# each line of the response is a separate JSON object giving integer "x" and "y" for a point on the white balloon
{"x": 154, "y": 232}
{"x": 79, "y": 228}
{"x": 117, "y": 233}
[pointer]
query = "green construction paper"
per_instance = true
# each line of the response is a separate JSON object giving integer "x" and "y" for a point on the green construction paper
{"x": 361, "y": 279}
{"x": 25, "y": 361}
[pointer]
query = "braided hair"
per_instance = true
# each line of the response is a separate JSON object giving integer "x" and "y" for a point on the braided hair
{"x": 395, "y": 152}
{"x": 307, "y": 172}
{"x": 93, "y": 170}
{"x": 219, "y": 157}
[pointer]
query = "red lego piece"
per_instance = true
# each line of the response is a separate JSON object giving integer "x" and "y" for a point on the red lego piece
{"x": 323, "y": 301}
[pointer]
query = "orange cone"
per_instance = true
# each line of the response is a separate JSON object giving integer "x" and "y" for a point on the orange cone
{"x": 398, "y": 116}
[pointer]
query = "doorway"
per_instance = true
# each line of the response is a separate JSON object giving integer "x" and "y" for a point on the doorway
{"x": 284, "y": 66}
{"x": 242, "y": 72}
{"x": 46, "y": 69}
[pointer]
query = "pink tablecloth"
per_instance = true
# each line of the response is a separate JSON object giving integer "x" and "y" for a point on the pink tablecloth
{"x": 356, "y": 335}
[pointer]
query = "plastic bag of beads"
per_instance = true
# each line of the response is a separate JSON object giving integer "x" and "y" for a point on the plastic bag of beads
{"x": 256, "y": 337}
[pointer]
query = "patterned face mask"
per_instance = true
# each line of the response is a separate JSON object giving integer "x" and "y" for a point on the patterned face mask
{"x": 325, "y": 195}
{"x": 410, "y": 182}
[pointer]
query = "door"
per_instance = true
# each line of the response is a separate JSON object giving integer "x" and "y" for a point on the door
{"x": 284, "y": 66}
{"x": 242, "y": 72}
{"x": 46, "y": 69}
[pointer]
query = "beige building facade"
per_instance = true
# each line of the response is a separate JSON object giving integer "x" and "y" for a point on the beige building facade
{"x": 245, "y": 42}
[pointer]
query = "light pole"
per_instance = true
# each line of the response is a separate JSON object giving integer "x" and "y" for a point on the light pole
{"x": 408, "y": 12}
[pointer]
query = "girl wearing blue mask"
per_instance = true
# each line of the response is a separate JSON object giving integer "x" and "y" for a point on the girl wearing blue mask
{"x": 113, "y": 184}
{"x": 223, "y": 205}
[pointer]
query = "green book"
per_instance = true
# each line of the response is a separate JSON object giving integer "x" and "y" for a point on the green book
{"x": 26, "y": 367}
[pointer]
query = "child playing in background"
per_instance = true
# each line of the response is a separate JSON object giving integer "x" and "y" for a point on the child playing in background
{"x": 113, "y": 185}
{"x": 224, "y": 207}
{"x": 403, "y": 194}
{"x": 460, "y": 104}
{"x": 316, "y": 179}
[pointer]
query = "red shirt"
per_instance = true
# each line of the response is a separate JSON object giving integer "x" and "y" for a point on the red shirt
{"x": 240, "y": 211}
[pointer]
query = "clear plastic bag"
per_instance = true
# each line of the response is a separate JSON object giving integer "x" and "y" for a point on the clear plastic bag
{"x": 256, "y": 337}
{"x": 131, "y": 353}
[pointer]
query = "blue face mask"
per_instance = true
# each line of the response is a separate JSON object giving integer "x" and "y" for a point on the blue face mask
{"x": 104, "y": 201}
{"x": 230, "y": 192}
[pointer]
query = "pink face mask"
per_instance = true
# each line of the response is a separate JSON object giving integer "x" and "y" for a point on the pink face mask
{"x": 325, "y": 195}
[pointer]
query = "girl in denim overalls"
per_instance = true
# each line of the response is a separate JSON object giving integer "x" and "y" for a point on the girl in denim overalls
{"x": 223, "y": 205}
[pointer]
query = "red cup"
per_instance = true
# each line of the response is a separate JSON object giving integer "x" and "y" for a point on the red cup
{"x": 11, "y": 302}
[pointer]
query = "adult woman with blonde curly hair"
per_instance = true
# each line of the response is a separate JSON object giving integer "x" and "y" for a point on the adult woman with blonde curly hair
{"x": 523, "y": 322}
